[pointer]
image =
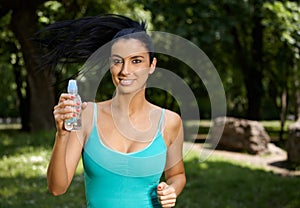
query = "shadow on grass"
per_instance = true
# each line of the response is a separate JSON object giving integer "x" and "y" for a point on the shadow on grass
{"x": 217, "y": 183}
{"x": 15, "y": 142}
{"x": 24, "y": 192}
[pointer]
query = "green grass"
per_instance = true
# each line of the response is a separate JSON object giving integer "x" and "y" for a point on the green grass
{"x": 215, "y": 182}
{"x": 223, "y": 183}
{"x": 23, "y": 163}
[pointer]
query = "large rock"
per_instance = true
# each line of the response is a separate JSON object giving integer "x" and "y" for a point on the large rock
{"x": 240, "y": 135}
{"x": 293, "y": 143}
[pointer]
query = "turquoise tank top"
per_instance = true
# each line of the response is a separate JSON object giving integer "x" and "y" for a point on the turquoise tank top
{"x": 122, "y": 180}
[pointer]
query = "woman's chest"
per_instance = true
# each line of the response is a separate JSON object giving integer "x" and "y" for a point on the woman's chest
{"x": 125, "y": 134}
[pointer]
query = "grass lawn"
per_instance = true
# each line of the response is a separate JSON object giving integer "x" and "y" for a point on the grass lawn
{"x": 223, "y": 183}
{"x": 214, "y": 183}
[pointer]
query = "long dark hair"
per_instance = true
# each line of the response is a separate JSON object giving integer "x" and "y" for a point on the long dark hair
{"x": 74, "y": 41}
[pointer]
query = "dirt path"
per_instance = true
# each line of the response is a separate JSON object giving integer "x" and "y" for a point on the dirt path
{"x": 274, "y": 162}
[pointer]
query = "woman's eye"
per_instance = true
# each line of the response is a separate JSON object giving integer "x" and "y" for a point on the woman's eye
{"x": 116, "y": 61}
{"x": 136, "y": 61}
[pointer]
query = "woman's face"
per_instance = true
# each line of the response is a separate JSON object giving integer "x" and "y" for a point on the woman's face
{"x": 130, "y": 65}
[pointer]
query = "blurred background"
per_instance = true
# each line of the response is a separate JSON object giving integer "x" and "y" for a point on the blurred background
{"x": 253, "y": 44}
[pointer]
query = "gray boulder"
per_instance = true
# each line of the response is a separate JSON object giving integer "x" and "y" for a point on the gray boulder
{"x": 240, "y": 135}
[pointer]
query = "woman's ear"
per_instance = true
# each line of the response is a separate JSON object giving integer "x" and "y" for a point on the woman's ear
{"x": 153, "y": 66}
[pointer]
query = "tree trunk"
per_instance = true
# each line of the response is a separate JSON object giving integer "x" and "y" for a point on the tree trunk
{"x": 253, "y": 82}
{"x": 24, "y": 25}
{"x": 249, "y": 58}
{"x": 254, "y": 75}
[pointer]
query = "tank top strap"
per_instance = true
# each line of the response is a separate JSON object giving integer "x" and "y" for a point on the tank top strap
{"x": 161, "y": 120}
{"x": 95, "y": 113}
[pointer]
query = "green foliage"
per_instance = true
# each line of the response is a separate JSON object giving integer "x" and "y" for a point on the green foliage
{"x": 281, "y": 50}
{"x": 8, "y": 96}
{"x": 283, "y": 18}
{"x": 211, "y": 25}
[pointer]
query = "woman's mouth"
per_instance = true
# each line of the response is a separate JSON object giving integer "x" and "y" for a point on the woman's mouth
{"x": 126, "y": 82}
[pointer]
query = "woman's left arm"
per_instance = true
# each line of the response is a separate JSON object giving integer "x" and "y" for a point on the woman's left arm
{"x": 174, "y": 172}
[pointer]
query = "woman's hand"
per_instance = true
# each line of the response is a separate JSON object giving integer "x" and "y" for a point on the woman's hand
{"x": 64, "y": 110}
{"x": 166, "y": 195}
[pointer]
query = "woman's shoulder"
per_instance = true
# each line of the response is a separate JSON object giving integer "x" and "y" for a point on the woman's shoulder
{"x": 89, "y": 114}
{"x": 172, "y": 119}
{"x": 172, "y": 126}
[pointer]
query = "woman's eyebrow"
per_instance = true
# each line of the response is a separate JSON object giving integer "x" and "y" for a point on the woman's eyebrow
{"x": 131, "y": 57}
{"x": 137, "y": 56}
{"x": 115, "y": 55}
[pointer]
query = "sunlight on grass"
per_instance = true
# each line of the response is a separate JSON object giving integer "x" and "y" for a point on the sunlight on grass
{"x": 10, "y": 126}
{"x": 275, "y": 125}
{"x": 29, "y": 164}
{"x": 23, "y": 165}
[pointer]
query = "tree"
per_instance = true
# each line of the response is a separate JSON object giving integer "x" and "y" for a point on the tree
{"x": 230, "y": 32}
{"x": 249, "y": 44}
{"x": 24, "y": 23}
{"x": 282, "y": 47}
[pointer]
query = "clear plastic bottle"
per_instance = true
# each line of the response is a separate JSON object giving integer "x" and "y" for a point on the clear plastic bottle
{"x": 74, "y": 123}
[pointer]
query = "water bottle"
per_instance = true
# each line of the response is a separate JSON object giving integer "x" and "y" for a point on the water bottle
{"x": 74, "y": 123}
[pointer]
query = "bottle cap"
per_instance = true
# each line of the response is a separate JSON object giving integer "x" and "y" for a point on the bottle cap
{"x": 72, "y": 86}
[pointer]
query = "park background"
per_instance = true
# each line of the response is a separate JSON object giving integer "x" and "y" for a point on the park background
{"x": 253, "y": 44}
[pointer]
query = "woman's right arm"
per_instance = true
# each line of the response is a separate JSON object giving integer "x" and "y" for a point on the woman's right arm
{"x": 66, "y": 151}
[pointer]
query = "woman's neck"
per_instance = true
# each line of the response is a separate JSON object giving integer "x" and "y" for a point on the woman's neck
{"x": 129, "y": 104}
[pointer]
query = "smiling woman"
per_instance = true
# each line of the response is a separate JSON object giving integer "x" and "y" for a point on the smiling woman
{"x": 130, "y": 142}
{"x": 130, "y": 64}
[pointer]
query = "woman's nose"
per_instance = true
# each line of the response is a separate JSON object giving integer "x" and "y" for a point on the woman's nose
{"x": 125, "y": 68}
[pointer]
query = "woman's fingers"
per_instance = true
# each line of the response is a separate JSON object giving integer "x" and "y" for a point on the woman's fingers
{"x": 168, "y": 203}
{"x": 63, "y": 114}
{"x": 65, "y": 106}
{"x": 65, "y": 96}
{"x": 64, "y": 109}
{"x": 166, "y": 195}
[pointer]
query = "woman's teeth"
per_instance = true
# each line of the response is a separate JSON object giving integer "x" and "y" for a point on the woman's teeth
{"x": 126, "y": 81}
